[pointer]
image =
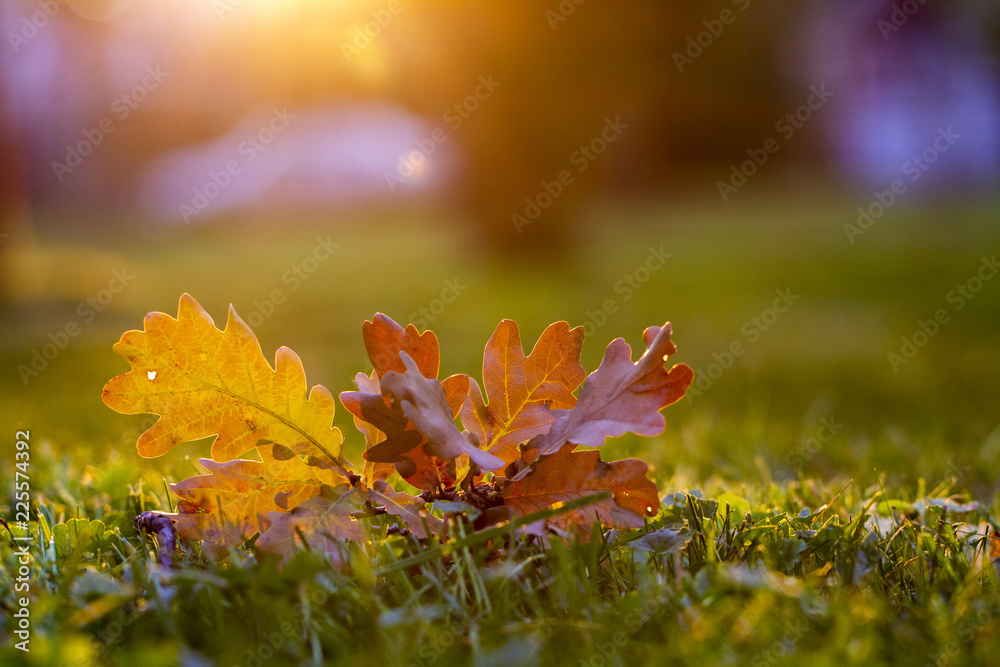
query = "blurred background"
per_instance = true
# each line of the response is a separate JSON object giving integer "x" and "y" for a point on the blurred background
{"x": 807, "y": 190}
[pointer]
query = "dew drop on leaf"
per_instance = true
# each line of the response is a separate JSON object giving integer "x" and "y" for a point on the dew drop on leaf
{"x": 151, "y": 375}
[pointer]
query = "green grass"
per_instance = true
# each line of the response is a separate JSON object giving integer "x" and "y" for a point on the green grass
{"x": 893, "y": 570}
{"x": 802, "y": 574}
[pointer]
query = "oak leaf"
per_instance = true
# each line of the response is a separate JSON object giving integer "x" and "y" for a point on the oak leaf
{"x": 384, "y": 340}
{"x": 400, "y": 449}
{"x": 325, "y": 522}
{"x": 390, "y": 437}
{"x": 411, "y": 509}
{"x": 394, "y": 435}
{"x": 567, "y": 475}
{"x": 204, "y": 382}
{"x": 368, "y": 384}
{"x": 427, "y": 472}
{"x": 232, "y": 502}
{"x": 523, "y": 390}
{"x": 620, "y": 396}
{"x": 425, "y": 404}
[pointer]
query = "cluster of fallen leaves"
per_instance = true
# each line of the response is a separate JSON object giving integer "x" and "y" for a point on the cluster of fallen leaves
{"x": 515, "y": 455}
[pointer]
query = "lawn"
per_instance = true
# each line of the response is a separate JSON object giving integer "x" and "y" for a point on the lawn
{"x": 826, "y": 485}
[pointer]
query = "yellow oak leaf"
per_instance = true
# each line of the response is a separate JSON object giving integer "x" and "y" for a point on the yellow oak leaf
{"x": 204, "y": 382}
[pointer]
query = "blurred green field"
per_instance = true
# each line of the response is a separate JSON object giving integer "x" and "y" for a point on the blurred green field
{"x": 825, "y": 357}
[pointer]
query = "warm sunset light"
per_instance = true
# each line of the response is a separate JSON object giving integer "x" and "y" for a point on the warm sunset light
{"x": 499, "y": 333}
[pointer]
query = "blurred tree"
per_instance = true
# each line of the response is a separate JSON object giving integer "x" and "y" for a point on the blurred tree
{"x": 563, "y": 70}
{"x": 561, "y": 77}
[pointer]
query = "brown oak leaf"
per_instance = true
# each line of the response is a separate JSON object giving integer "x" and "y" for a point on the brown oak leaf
{"x": 567, "y": 475}
{"x": 411, "y": 509}
{"x": 398, "y": 434}
{"x": 373, "y": 470}
{"x": 325, "y": 521}
{"x": 392, "y": 442}
{"x": 402, "y": 451}
{"x": 425, "y": 404}
{"x": 620, "y": 396}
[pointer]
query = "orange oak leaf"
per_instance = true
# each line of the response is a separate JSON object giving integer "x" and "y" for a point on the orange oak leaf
{"x": 620, "y": 396}
{"x": 424, "y": 402}
{"x": 325, "y": 521}
{"x": 567, "y": 475}
{"x": 411, "y": 509}
{"x": 523, "y": 391}
{"x": 390, "y": 437}
{"x": 204, "y": 382}
{"x": 384, "y": 340}
{"x": 456, "y": 389}
{"x": 231, "y": 503}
